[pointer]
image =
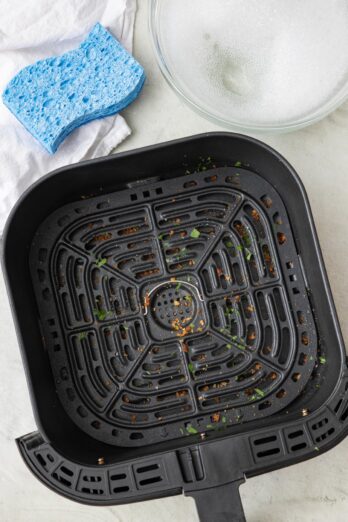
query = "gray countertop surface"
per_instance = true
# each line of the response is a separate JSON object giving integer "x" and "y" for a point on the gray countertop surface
{"x": 313, "y": 491}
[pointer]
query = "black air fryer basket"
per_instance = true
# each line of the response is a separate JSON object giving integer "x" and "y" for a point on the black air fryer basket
{"x": 176, "y": 324}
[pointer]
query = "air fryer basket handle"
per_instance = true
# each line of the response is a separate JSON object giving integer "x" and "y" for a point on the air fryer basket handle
{"x": 215, "y": 502}
{"x": 220, "y": 504}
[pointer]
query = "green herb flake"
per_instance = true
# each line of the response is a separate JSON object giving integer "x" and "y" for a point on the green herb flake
{"x": 82, "y": 335}
{"x": 101, "y": 314}
{"x": 229, "y": 346}
{"x": 230, "y": 311}
{"x": 229, "y": 244}
{"x": 248, "y": 254}
{"x": 204, "y": 164}
{"x": 181, "y": 431}
{"x": 238, "y": 164}
{"x": 259, "y": 392}
{"x": 322, "y": 359}
{"x": 223, "y": 419}
{"x": 191, "y": 430}
{"x": 239, "y": 248}
{"x": 191, "y": 367}
{"x": 178, "y": 286}
{"x": 210, "y": 427}
{"x": 195, "y": 233}
{"x": 101, "y": 261}
{"x": 316, "y": 448}
{"x": 247, "y": 240}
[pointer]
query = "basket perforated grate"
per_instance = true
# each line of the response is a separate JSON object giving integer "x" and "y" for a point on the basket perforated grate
{"x": 171, "y": 308}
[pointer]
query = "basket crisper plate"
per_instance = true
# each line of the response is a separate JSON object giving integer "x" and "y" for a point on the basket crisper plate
{"x": 174, "y": 308}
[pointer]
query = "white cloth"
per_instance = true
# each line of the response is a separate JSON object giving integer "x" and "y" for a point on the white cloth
{"x": 35, "y": 29}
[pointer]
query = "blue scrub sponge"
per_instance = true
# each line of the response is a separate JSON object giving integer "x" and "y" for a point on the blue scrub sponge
{"x": 54, "y": 96}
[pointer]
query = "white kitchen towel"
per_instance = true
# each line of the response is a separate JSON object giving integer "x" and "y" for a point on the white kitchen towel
{"x": 34, "y": 29}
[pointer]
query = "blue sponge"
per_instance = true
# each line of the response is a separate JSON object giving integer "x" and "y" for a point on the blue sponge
{"x": 54, "y": 96}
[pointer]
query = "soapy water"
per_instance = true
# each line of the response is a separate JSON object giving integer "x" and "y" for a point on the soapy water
{"x": 260, "y": 61}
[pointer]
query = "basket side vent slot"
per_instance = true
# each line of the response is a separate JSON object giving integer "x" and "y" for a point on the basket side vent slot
{"x": 296, "y": 439}
{"x": 65, "y": 475}
{"x": 119, "y": 482}
{"x": 344, "y": 415}
{"x": 149, "y": 475}
{"x": 322, "y": 429}
{"x": 268, "y": 447}
{"x": 45, "y": 459}
{"x": 92, "y": 483}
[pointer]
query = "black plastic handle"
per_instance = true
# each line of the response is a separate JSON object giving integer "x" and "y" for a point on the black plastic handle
{"x": 220, "y": 504}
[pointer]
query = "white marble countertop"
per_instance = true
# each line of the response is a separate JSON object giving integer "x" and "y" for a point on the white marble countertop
{"x": 313, "y": 491}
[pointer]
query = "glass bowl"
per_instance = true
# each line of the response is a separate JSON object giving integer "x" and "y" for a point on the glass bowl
{"x": 272, "y": 66}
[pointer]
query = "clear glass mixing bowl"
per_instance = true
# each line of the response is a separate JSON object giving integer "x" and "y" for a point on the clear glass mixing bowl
{"x": 264, "y": 74}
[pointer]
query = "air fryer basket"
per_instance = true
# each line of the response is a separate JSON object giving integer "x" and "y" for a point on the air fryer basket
{"x": 176, "y": 324}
